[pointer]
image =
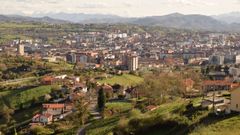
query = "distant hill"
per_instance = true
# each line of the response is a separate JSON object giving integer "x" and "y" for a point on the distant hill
{"x": 233, "y": 17}
{"x": 175, "y": 20}
{"x": 81, "y": 17}
{"x": 19, "y": 19}
{"x": 183, "y": 21}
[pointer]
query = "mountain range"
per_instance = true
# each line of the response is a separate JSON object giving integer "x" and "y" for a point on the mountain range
{"x": 225, "y": 22}
{"x": 20, "y": 19}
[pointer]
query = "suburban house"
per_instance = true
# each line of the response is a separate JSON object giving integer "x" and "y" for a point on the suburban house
{"x": 54, "y": 109}
{"x": 151, "y": 107}
{"x": 47, "y": 80}
{"x": 52, "y": 112}
{"x": 79, "y": 87}
{"x": 75, "y": 96}
{"x": 235, "y": 100}
{"x": 132, "y": 93}
{"x": 43, "y": 118}
{"x": 107, "y": 88}
{"x": 216, "y": 85}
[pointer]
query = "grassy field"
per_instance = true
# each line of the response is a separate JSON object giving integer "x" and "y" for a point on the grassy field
{"x": 125, "y": 80}
{"x": 171, "y": 118}
{"x": 120, "y": 105}
{"x": 103, "y": 127}
{"x": 59, "y": 66}
{"x": 22, "y": 81}
{"x": 17, "y": 98}
{"x": 106, "y": 125}
{"x": 173, "y": 113}
{"x": 117, "y": 108}
{"x": 229, "y": 126}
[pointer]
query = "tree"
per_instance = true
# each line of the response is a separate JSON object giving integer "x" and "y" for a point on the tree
{"x": 81, "y": 110}
{"x": 6, "y": 112}
{"x": 101, "y": 99}
{"x": 55, "y": 88}
{"x": 157, "y": 87}
{"x": 218, "y": 68}
{"x": 226, "y": 70}
{"x": 207, "y": 70}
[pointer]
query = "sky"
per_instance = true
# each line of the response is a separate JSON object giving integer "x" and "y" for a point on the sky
{"x": 126, "y": 8}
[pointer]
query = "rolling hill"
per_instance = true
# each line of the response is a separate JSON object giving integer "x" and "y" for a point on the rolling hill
{"x": 175, "y": 20}
{"x": 21, "y": 19}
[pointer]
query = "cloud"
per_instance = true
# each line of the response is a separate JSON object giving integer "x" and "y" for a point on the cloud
{"x": 119, "y": 7}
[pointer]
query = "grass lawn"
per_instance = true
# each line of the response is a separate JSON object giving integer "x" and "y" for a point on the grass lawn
{"x": 168, "y": 107}
{"x": 171, "y": 111}
{"x": 103, "y": 127}
{"x": 229, "y": 126}
{"x": 4, "y": 93}
{"x": 17, "y": 98}
{"x": 125, "y": 80}
{"x": 59, "y": 66}
{"x": 22, "y": 81}
{"x": 119, "y": 106}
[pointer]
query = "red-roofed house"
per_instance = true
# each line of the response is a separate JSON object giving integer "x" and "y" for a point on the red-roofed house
{"x": 54, "y": 109}
{"x": 80, "y": 87}
{"x": 216, "y": 85}
{"x": 151, "y": 107}
{"x": 47, "y": 80}
{"x": 43, "y": 118}
{"x": 107, "y": 88}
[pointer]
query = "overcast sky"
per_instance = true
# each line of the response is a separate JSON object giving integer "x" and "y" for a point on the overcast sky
{"x": 129, "y": 8}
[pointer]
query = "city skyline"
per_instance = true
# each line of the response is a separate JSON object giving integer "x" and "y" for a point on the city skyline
{"x": 133, "y": 8}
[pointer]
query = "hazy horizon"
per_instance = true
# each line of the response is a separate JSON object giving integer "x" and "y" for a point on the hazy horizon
{"x": 124, "y": 8}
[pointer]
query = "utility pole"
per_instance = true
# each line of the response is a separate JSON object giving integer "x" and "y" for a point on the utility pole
{"x": 214, "y": 98}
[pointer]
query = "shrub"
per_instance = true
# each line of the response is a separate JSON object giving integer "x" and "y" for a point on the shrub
{"x": 39, "y": 130}
{"x": 134, "y": 113}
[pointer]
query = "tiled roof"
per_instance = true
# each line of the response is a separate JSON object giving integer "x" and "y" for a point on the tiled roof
{"x": 36, "y": 116}
{"x": 47, "y": 115}
{"x": 47, "y": 78}
{"x": 216, "y": 82}
{"x": 53, "y": 106}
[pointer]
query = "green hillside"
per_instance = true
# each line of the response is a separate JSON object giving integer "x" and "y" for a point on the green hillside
{"x": 125, "y": 80}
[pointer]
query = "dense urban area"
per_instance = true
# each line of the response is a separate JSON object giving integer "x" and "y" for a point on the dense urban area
{"x": 117, "y": 79}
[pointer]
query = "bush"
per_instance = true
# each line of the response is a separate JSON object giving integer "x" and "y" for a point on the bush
{"x": 134, "y": 113}
{"x": 122, "y": 127}
{"x": 39, "y": 130}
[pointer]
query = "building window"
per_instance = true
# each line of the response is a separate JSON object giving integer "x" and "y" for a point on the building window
{"x": 236, "y": 105}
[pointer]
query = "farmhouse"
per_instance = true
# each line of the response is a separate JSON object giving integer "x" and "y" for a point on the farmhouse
{"x": 43, "y": 118}
{"x": 54, "y": 109}
{"x": 47, "y": 80}
{"x": 216, "y": 85}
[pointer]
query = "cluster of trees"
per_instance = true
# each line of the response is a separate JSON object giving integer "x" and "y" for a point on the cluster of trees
{"x": 215, "y": 68}
{"x": 101, "y": 99}
{"x": 156, "y": 88}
